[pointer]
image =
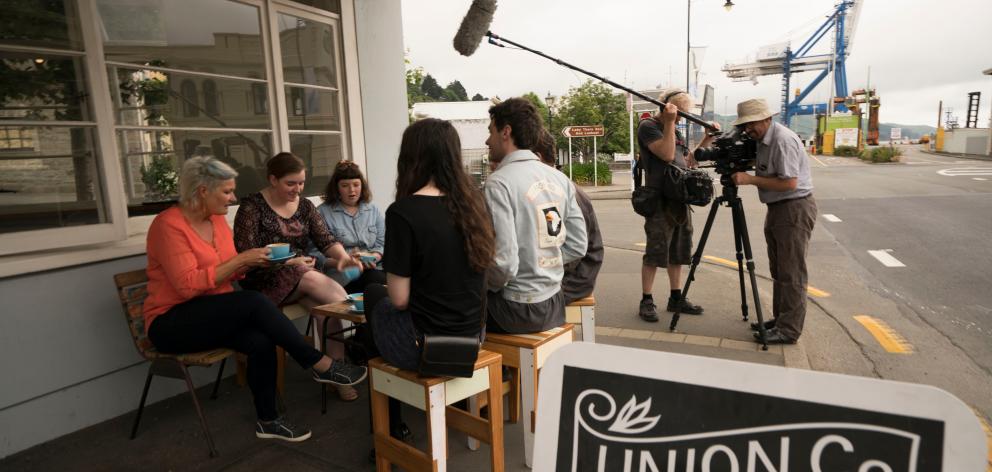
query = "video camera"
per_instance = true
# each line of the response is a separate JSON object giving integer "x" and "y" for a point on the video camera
{"x": 733, "y": 151}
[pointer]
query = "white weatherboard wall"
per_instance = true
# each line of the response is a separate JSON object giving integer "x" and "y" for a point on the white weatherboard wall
{"x": 66, "y": 357}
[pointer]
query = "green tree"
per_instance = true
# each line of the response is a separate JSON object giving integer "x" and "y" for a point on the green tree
{"x": 594, "y": 103}
{"x": 542, "y": 109}
{"x": 430, "y": 88}
{"x": 456, "y": 91}
{"x": 478, "y": 98}
{"x": 414, "y": 83}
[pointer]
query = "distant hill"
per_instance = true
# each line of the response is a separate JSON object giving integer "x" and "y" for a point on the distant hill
{"x": 805, "y": 127}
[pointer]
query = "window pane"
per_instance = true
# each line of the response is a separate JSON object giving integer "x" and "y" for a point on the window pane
{"x": 333, "y": 6}
{"x": 308, "y": 55}
{"x": 321, "y": 152}
{"x": 312, "y": 109}
{"x": 42, "y": 87}
{"x": 48, "y": 178}
{"x": 41, "y": 23}
{"x": 215, "y": 36}
{"x": 151, "y": 161}
{"x": 151, "y": 98}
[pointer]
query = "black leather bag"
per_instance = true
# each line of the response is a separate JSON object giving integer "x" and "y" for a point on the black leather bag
{"x": 452, "y": 356}
{"x": 644, "y": 199}
{"x": 448, "y": 356}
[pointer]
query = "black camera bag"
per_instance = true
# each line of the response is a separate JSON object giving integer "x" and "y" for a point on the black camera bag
{"x": 644, "y": 198}
{"x": 692, "y": 187}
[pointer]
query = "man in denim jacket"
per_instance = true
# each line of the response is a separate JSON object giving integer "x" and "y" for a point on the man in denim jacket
{"x": 539, "y": 225}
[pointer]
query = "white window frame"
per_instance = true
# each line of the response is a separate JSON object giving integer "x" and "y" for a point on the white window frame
{"x": 109, "y": 173}
{"x": 30, "y": 251}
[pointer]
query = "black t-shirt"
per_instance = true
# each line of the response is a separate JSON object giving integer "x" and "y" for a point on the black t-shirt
{"x": 649, "y": 131}
{"x": 423, "y": 243}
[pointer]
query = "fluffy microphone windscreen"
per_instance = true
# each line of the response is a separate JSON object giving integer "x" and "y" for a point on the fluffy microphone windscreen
{"x": 474, "y": 26}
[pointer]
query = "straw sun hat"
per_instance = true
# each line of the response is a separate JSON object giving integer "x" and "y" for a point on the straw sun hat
{"x": 755, "y": 109}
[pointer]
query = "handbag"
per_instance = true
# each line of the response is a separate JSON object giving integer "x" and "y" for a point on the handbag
{"x": 452, "y": 356}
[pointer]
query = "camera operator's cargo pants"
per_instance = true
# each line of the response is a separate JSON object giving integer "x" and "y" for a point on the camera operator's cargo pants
{"x": 788, "y": 226}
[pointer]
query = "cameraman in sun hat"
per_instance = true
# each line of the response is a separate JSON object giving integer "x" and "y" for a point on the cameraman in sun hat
{"x": 784, "y": 183}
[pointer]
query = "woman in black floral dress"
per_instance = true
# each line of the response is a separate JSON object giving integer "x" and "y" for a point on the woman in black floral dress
{"x": 278, "y": 214}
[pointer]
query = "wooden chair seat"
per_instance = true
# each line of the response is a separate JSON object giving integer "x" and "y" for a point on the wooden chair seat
{"x": 524, "y": 355}
{"x": 434, "y": 395}
{"x": 199, "y": 359}
{"x": 582, "y": 312}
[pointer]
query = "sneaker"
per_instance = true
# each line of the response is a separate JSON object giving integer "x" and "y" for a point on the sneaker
{"x": 341, "y": 373}
{"x": 280, "y": 429}
{"x": 686, "y": 308}
{"x": 648, "y": 311}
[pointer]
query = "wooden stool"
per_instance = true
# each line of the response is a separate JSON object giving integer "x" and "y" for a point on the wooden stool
{"x": 525, "y": 354}
{"x": 583, "y": 312}
{"x": 433, "y": 395}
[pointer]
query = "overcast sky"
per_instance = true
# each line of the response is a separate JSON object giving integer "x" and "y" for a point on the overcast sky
{"x": 919, "y": 52}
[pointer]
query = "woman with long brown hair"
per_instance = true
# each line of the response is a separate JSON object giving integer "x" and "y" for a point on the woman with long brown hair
{"x": 439, "y": 241}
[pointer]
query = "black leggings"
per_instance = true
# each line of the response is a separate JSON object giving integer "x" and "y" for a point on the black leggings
{"x": 245, "y": 321}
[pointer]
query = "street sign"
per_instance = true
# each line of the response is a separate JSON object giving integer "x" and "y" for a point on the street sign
{"x": 583, "y": 131}
{"x": 895, "y": 134}
{"x": 606, "y": 408}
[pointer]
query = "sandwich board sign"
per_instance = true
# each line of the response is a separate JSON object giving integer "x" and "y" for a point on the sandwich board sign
{"x": 612, "y": 408}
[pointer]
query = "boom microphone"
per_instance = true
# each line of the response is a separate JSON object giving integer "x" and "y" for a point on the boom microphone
{"x": 474, "y": 26}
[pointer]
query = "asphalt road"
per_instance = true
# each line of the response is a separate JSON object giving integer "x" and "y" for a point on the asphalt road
{"x": 919, "y": 310}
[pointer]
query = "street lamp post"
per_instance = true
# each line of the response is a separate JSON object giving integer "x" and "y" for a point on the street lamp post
{"x": 550, "y": 102}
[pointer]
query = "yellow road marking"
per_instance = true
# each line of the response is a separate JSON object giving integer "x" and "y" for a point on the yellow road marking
{"x": 890, "y": 340}
{"x": 722, "y": 261}
{"x": 733, "y": 265}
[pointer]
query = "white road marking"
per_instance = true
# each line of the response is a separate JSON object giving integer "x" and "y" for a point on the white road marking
{"x": 831, "y": 218}
{"x": 978, "y": 178}
{"x": 818, "y": 160}
{"x": 965, "y": 171}
{"x": 885, "y": 258}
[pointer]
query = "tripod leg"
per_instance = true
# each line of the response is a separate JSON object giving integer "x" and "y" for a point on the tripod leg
{"x": 738, "y": 208}
{"x": 739, "y": 247}
{"x": 696, "y": 257}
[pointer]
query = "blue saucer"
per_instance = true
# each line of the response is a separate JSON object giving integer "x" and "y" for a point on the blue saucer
{"x": 282, "y": 259}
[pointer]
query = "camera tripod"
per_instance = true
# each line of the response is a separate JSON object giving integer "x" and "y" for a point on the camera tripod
{"x": 742, "y": 244}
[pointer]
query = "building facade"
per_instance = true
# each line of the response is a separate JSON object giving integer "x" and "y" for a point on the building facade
{"x": 101, "y": 101}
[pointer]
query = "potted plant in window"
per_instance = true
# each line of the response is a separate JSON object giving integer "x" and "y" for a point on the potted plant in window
{"x": 160, "y": 179}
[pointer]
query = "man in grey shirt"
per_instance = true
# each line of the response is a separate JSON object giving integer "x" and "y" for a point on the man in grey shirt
{"x": 784, "y": 184}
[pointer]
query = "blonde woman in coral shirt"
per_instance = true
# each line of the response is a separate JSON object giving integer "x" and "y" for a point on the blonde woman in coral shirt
{"x": 192, "y": 306}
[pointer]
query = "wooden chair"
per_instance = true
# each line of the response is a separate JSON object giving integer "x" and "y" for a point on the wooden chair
{"x": 433, "y": 395}
{"x": 583, "y": 313}
{"x": 524, "y": 355}
{"x": 132, "y": 288}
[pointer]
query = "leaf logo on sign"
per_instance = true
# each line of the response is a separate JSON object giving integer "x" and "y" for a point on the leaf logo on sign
{"x": 633, "y": 418}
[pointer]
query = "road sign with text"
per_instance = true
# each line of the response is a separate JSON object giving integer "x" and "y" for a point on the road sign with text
{"x": 583, "y": 131}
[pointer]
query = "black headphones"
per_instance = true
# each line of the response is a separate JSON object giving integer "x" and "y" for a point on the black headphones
{"x": 668, "y": 96}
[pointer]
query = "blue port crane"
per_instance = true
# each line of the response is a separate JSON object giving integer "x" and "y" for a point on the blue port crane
{"x": 781, "y": 59}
